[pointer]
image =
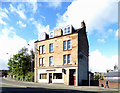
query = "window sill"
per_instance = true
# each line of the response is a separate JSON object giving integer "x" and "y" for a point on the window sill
{"x": 67, "y": 64}
{"x": 67, "y": 50}
{"x": 51, "y": 52}
{"x": 42, "y": 54}
{"x": 41, "y": 66}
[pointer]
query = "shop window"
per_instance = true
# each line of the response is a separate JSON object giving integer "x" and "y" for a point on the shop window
{"x": 43, "y": 76}
{"x": 57, "y": 75}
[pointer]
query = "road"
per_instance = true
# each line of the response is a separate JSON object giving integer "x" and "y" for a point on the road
{"x": 13, "y": 86}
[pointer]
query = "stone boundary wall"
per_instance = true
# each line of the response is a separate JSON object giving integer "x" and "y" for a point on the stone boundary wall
{"x": 111, "y": 84}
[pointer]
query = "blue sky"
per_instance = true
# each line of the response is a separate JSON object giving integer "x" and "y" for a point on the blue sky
{"x": 22, "y": 22}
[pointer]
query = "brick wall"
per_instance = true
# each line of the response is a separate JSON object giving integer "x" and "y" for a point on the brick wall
{"x": 110, "y": 83}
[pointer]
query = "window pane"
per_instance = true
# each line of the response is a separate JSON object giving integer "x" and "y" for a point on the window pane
{"x": 40, "y": 49}
{"x": 65, "y": 45}
{"x": 65, "y": 31}
{"x": 69, "y": 44}
{"x": 40, "y": 61}
{"x": 43, "y": 76}
{"x": 43, "y": 60}
{"x": 64, "y": 59}
{"x": 51, "y": 61}
{"x": 57, "y": 76}
{"x": 43, "y": 48}
{"x": 51, "y": 47}
{"x": 68, "y": 30}
{"x": 51, "y": 34}
{"x": 69, "y": 59}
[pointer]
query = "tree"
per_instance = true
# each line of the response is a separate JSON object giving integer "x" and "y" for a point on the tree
{"x": 98, "y": 76}
{"x": 20, "y": 64}
{"x": 32, "y": 60}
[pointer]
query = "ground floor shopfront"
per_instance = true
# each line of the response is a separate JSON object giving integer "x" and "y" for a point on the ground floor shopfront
{"x": 67, "y": 76}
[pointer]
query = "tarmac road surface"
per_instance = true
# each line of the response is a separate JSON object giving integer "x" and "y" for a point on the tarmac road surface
{"x": 13, "y": 86}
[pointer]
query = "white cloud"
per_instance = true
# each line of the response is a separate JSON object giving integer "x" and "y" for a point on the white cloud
{"x": 10, "y": 45}
{"x": 55, "y": 3}
{"x": 2, "y": 22}
{"x": 20, "y": 10}
{"x": 116, "y": 34}
{"x": 3, "y": 14}
{"x": 43, "y": 17}
{"x": 32, "y": 4}
{"x": 100, "y": 63}
{"x": 31, "y": 45}
{"x": 110, "y": 30}
{"x": 21, "y": 24}
{"x": 96, "y": 13}
{"x": 101, "y": 40}
{"x": 41, "y": 28}
{"x": 31, "y": 19}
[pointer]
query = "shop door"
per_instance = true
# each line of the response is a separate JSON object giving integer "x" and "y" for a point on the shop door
{"x": 50, "y": 77}
{"x": 71, "y": 76}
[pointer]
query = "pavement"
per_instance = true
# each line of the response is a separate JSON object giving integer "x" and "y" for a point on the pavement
{"x": 25, "y": 84}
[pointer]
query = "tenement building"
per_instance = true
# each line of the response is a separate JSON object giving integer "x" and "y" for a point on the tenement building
{"x": 62, "y": 56}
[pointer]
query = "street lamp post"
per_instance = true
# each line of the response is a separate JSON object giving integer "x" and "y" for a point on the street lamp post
{"x": 89, "y": 79}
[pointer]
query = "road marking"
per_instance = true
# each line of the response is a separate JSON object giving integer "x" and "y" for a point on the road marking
{"x": 13, "y": 85}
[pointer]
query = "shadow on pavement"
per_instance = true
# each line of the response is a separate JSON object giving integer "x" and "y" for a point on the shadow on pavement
{"x": 45, "y": 90}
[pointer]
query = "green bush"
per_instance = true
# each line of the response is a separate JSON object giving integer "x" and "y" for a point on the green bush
{"x": 29, "y": 76}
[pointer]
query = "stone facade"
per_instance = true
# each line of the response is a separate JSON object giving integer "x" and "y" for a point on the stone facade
{"x": 71, "y": 73}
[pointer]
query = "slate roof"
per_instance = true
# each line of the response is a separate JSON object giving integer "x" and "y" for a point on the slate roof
{"x": 112, "y": 74}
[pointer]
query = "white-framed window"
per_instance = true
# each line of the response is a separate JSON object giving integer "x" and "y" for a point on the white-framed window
{"x": 51, "y": 35}
{"x": 69, "y": 59}
{"x": 69, "y": 44}
{"x": 64, "y": 59}
{"x": 67, "y": 30}
{"x": 51, "y": 47}
{"x": 65, "y": 45}
{"x": 40, "y": 49}
{"x": 40, "y": 61}
{"x": 43, "y": 49}
{"x": 51, "y": 60}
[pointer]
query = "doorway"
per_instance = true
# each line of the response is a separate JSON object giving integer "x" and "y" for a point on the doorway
{"x": 50, "y": 77}
{"x": 71, "y": 76}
